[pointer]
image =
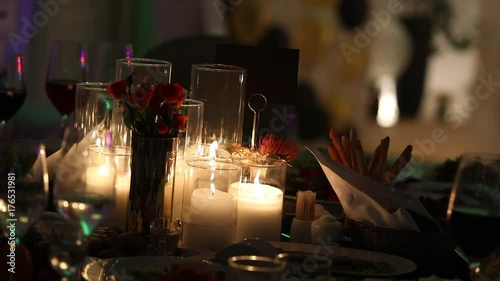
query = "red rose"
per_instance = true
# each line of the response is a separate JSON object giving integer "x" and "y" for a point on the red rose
{"x": 180, "y": 121}
{"x": 171, "y": 93}
{"x": 162, "y": 127}
{"x": 117, "y": 89}
{"x": 142, "y": 95}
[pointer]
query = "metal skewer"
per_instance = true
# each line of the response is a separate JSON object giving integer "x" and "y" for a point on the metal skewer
{"x": 256, "y": 103}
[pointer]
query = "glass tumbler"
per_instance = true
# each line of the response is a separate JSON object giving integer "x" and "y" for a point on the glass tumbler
{"x": 208, "y": 210}
{"x": 189, "y": 147}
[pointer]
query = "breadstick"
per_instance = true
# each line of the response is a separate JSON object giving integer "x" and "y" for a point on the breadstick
{"x": 384, "y": 147}
{"x": 334, "y": 154}
{"x": 373, "y": 162}
{"x": 338, "y": 145}
{"x": 399, "y": 164}
{"x": 353, "y": 136}
{"x": 333, "y": 136}
{"x": 347, "y": 150}
{"x": 360, "y": 158}
{"x": 354, "y": 161}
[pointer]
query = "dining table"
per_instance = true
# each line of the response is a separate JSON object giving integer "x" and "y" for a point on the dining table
{"x": 349, "y": 261}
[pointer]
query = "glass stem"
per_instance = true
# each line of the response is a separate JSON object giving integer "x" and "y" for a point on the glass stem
{"x": 2, "y": 127}
{"x": 64, "y": 119}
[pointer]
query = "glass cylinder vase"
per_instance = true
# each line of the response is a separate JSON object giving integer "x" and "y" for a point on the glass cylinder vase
{"x": 144, "y": 70}
{"x": 189, "y": 147}
{"x": 209, "y": 211}
{"x": 260, "y": 194}
{"x": 222, "y": 90}
{"x": 152, "y": 168}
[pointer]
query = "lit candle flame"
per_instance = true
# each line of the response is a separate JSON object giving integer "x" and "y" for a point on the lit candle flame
{"x": 212, "y": 189}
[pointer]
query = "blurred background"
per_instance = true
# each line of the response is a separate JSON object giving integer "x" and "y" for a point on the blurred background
{"x": 423, "y": 72}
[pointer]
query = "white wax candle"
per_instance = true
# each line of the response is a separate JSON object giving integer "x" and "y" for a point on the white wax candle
{"x": 209, "y": 222}
{"x": 207, "y": 237}
{"x": 100, "y": 179}
{"x": 118, "y": 217}
{"x": 211, "y": 208}
{"x": 259, "y": 211}
{"x": 173, "y": 194}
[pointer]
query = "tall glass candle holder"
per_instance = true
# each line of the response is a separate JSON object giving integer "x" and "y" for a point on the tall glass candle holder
{"x": 209, "y": 211}
{"x": 118, "y": 217}
{"x": 145, "y": 70}
{"x": 222, "y": 89}
{"x": 92, "y": 105}
{"x": 96, "y": 111}
{"x": 189, "y": 147}
{"x": 260, "y": 199}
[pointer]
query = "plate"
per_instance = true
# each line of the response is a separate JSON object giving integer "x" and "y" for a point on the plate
{"x": 125, "y": 268}
{"x": 361, "y": 262}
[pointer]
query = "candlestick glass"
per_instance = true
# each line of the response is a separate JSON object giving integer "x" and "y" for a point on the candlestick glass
{"x": 97, "y": 111}
{"x": 123, "y": 158}
{"x": 260, "y": 193}
{"x": 208, "y": 210}
{"x": 222, "y": 90}
{"x": 268, "y": 171}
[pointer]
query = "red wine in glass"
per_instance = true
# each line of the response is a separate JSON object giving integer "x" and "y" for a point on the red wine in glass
{"x": 474, "y": 207}
{"x": 12, "y": 88}
{"x": 61, "y": 93}
{"x": 477, "y": 231}
{"x": 67, "y": 66}
{"x": 10, "y": 102}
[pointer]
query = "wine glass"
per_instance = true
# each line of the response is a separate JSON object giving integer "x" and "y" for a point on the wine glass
{"x": 67, "y": 66}
{"x": 24, "y": 184}
{"x": 12, "y": 87}
{"x": 474, "y": 207}
{"x": 84, "y": 189}
{"x": 68, "y": 247}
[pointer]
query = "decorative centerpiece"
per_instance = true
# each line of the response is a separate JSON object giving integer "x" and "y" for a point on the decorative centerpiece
{"x": 151, "y": 112}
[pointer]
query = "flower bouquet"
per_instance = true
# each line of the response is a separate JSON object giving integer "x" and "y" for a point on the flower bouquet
{"x": 150, "y": 110}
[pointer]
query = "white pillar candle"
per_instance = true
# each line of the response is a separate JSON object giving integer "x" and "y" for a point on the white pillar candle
{"x": 259, "y": 211}
{"x": 211, "y": 207}
{"x": 209, "y": 222}
{"x": 118, "y": 217}
{"x": 99, "y": 179}
{"x": 174, "y": 196}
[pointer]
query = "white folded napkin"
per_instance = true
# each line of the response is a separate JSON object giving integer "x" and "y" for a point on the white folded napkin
{"x": 367, "y": 201}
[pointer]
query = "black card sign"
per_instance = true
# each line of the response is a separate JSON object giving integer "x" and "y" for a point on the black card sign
{"x": 273, "y": 73}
